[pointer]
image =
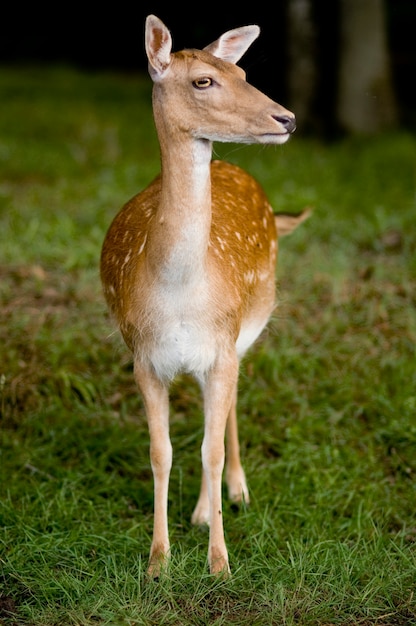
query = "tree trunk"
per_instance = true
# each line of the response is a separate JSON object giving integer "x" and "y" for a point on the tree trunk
{"x": 366, "y": 102}
{"x": 302, "y": 61}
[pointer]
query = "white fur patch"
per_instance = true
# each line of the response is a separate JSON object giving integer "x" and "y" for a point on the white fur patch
{"x": 183, "y": 333}
{"x": 248, "y": 334}
{"x": 183, "y": 347}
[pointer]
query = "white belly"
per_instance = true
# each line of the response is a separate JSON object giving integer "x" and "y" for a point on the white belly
{"x": 183, "y": 347}
{"x": 183, "y": 338}
{"x": 186, "y": 338}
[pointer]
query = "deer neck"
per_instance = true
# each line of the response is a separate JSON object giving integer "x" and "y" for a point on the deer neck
{"x": 181, "y": 229}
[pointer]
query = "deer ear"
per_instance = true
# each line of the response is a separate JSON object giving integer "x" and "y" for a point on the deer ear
{"x": 158, "y": 43}
{"x": 234, "y": 43}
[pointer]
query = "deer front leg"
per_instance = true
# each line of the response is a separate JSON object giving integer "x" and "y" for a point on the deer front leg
{"x": 218, "y": 397}
{"x": 156, "y": 401}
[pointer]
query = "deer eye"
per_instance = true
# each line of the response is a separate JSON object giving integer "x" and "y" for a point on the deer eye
{"x": 202, "y": 83}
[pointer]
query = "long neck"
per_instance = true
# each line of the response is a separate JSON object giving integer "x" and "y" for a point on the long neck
{"x": 180, "y": 231}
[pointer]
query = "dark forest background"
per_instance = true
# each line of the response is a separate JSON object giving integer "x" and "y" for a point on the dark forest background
{"x": 110, "y": 37}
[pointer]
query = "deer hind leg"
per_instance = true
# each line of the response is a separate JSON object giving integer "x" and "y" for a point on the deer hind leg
{"x": 218, "y": 398}
{"x": 234, "y": 473}
{"x": 156, "y": 401}
{"x": 200, "y": 516}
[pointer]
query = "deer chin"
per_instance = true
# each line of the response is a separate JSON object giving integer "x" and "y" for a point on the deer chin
{"x": 274, "y": 138}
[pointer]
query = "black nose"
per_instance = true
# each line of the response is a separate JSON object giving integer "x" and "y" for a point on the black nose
{"x": 289, "y": 123}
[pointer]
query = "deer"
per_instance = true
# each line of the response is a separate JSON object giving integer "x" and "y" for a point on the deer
{"x": 188, "y": 264}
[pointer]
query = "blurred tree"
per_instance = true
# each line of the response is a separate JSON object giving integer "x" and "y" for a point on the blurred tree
{"x": 302, "y": 57}
{"x": 366, "y": 101}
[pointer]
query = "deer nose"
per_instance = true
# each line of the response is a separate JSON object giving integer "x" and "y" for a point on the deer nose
{"x": 288, "y": 122}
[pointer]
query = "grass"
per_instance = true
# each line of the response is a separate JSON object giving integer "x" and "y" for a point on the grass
{"x": 327, "y": 398}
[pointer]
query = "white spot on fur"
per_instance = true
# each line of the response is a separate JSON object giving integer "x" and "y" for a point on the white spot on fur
{"x": 222, "y": 243}
{"x": 250, "y": 277}
{"x": 143, "y": 244}
{"x": 127, "y": 258}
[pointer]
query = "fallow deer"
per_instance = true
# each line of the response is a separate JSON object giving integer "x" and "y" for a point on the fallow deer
{"x": 188, "y": 265}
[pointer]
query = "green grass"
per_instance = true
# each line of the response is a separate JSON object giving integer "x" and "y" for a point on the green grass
{"x": 327, "y": 399}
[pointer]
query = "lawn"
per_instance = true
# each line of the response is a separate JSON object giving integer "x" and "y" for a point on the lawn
{"x": 327, "y": 404}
